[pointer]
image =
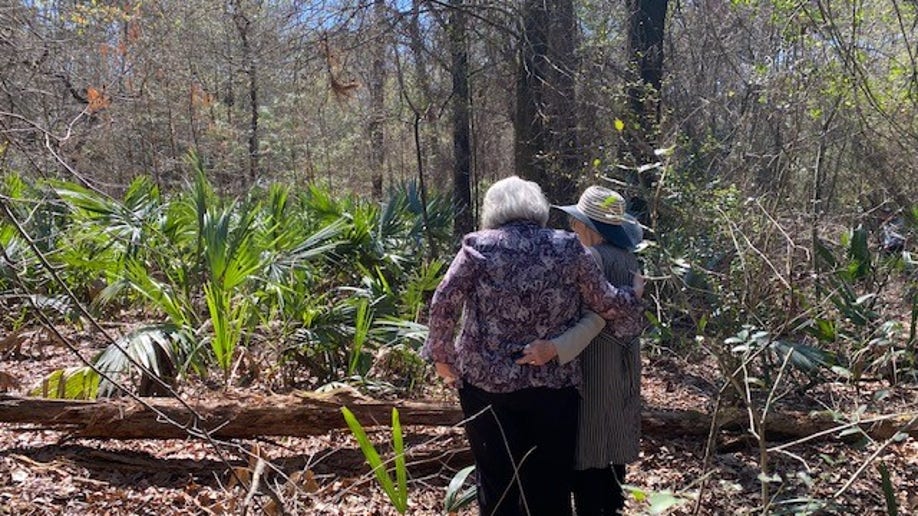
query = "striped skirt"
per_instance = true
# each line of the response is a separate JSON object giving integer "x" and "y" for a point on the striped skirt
{"x": 610, "y": 409}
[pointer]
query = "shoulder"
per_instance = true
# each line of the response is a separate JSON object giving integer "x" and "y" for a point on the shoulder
{"x": 518, "y": 232}
{"x": 616, "y": 256}
{"x": 595, "y": 253}
{"x": 563, "y": 238}
{"x": 481, "y": 239}
{"x": 529, "y": 238}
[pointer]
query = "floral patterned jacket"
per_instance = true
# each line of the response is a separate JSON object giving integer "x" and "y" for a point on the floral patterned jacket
{"x": 509, "y": 286}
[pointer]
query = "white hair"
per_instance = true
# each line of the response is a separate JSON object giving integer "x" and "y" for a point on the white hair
{"x": 511, "y": 199}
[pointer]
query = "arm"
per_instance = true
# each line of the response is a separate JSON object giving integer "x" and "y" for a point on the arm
{"x": 445, "y": 307}
{"x": 572, "y": 342}
{"x": 565, "y": 346}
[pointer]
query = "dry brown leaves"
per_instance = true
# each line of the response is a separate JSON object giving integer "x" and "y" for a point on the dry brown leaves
{"x": 43, "y": 473}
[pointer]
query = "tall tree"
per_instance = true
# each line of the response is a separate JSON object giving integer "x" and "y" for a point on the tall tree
{"x": 378, "y": 100}
{"x": 529, "y": 122}
{"x": 646, "y": 19}
{"x": 564, "y": 142}
{"x": 244, "y": 28}
{"x": 462, "y": 152}
{"x": 646, "y": 23}
{"x": 546, "y": 143}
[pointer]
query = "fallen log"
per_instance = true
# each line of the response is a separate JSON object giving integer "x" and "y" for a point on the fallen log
{"x": 249, "y": 416}
{"x": 307, "y": 414}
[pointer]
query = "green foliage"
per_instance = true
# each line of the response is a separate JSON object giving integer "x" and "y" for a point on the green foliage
{"x": 75, "y": 383}
{"x": 457, "y": 495}
{"x": 59, "y": 305}
{"x": 42, "y": 220}
{"x": 317, "y": 343}
{"x": 397, "y": 490}
{"x": 361, "y": 333}
{"x": 690, "y": 255}
{"x": 859, "y": 256}
{"x": 722, "y": 264}
{"x": 331, "y": 279}
{"x": 227, "y": 316}
{"x": 423, "y": 280}
{"x": 657, "y": 502}
{"x": 853, "y": 280}
{"x": 161, "y": 349}
{"x": 772, "y": 353}
{"x": 889, "y": 492}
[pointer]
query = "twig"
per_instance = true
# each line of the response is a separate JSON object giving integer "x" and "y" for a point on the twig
{"x": 709, "y": 449}
{"x": 873, "y": 456}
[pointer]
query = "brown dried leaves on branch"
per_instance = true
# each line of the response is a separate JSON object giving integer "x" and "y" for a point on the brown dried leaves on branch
{"x": 97, "y": 99}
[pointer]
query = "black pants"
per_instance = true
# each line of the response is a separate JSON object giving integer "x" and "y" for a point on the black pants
{"x": 539, "y": 427}
{"x": 598, "y": 491}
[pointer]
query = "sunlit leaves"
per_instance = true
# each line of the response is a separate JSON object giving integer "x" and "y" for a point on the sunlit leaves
{"x": 396, "y": 491}
{"x": 216, "y": 269}
{"x": 75, "y": 383}
{"x": 655, "y": 502}
{"x": 159, "y": 348}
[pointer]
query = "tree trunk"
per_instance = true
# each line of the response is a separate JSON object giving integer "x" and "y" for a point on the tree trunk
{"x": 564, "y": 140}
{"x": 243, "y": 27}
{"x": 646, "y": 24}
{"x": 421, "y": 56}
{"x": 546, "y": 143}
{"x": 462, "y": 151}
{"x": 377, "y": 102}
{"x": 316, "y": 414}
{"x": 533, "y": 73}
{"x": 242, "y": 417}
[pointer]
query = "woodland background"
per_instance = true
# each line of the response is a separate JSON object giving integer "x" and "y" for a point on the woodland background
{"x": 247, "y": 199}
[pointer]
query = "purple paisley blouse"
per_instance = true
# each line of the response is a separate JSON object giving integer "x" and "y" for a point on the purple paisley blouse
{"x": 509, "y": 286}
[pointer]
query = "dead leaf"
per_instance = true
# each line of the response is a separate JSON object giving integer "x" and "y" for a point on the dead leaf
{"x": 19, "y": 475}
{"x": 309, "y": 482}
{"x": 239, "y": 475}
{"x": 97, "y": 99}
{"x": 7, "y": 382}
{"x": 270, "y": 508}
{"x": 12, "y": 342}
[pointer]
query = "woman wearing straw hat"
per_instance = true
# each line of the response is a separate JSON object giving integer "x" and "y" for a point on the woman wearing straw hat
{"x": 511, "y": 283}
{"x": 610, "y": 408}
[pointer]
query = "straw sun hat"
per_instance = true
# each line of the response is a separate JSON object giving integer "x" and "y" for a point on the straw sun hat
{"x": 603, "y": 211}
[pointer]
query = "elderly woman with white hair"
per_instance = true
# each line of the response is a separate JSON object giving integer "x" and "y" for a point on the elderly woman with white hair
{"x": 511, "y": 283}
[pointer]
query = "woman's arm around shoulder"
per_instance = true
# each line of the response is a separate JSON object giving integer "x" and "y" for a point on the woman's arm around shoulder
{"x": 565, "y": 346}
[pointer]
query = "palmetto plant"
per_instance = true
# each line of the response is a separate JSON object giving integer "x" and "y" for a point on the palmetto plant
{"x": 215, "y": 268}
{"x": 20, "y": 270}
{"x": 337, "y": 273}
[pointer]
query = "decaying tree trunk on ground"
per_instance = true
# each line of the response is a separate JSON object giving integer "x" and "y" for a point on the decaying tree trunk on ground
{"x": 312, "y": 414}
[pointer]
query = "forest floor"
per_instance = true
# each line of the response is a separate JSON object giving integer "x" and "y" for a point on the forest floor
{"x": 46, "y": 472}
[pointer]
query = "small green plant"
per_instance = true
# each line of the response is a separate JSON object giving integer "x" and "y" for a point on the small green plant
{"x": 657, "y": 502}
{"x": 162, "y": 349}
{"x": 771, "y": 352}
{"x": 397, "y": 490}
{"x": 362, "y": 322}
{"x": 889, "y": 493}
{"x": 457, "y": 495}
